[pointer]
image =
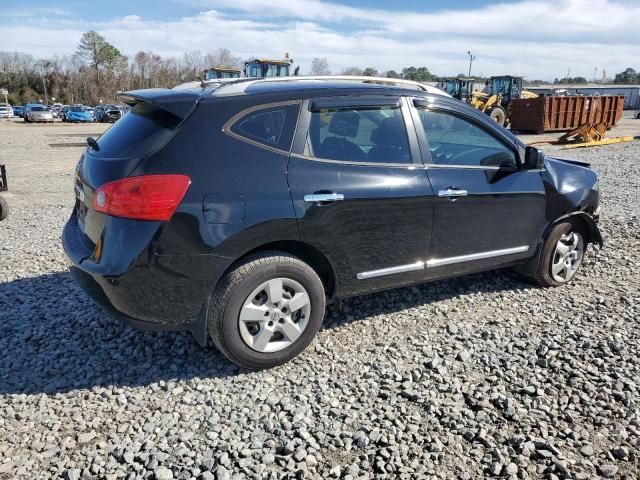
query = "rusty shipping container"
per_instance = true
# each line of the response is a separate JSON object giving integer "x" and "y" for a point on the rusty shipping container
{"x": 557, "y": 114}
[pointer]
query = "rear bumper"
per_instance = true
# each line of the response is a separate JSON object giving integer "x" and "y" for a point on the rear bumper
{"x": 92, "y": 288}
{"x": 150, "y": 291}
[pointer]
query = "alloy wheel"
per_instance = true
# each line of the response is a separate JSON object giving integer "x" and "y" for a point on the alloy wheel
{"x": 567, "y": 257}
{"x": 274, "y": 315}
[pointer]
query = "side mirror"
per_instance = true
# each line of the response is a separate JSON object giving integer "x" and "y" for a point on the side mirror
{"x": 533, "y": 158}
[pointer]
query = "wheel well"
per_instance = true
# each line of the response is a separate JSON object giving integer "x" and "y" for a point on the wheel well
{"x": 582, "y": 221}
{"x": 308, "y": 254}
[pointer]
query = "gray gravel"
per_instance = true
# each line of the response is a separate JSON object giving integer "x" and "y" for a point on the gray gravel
{"x": 482, "y": 376}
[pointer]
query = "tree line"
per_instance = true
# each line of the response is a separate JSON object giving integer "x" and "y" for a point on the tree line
{"x": 97, "y": 70}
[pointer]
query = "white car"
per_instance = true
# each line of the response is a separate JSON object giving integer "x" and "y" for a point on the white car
{"x": 6, "y": 110}
{"x": 38, "y": 113}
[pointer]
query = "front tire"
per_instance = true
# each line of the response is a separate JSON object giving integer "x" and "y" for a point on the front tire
{"x": 267, "y": 310}
{"x": 498, "y": 115}
{"x": 562, "y": 254}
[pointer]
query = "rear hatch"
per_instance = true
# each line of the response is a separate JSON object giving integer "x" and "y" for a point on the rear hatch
{"x": 154, "y": 118}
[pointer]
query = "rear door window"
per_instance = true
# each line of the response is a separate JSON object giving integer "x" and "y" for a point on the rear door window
{"x": 143, "y": 130}
{"x": 368, "y": 134}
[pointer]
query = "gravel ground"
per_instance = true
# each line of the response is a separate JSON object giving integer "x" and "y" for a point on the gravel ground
{"x": 482, "y": 376}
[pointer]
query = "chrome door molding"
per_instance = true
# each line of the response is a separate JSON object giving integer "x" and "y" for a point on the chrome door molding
{"x": 439, "y": 262}
{"x": 390, "y": 271}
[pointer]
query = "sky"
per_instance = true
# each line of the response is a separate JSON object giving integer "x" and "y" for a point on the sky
{"x": 538, "y": 39}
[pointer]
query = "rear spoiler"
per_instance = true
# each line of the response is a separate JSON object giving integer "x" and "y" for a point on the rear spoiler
{"x": 178, "y": 102}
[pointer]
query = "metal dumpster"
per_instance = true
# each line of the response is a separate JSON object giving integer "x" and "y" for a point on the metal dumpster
{"x": 556, "y": 114}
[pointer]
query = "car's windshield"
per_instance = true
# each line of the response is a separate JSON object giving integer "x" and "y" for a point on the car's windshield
{"x": 39, "y": 109}
{"x": 77, "y": 109}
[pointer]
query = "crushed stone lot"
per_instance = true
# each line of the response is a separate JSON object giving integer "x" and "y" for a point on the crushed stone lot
{"x": 481, "y": 376}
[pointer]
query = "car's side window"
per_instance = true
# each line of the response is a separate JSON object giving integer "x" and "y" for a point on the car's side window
{"x": 272, "y": 126}
{"x": 359, "y": 134}
{"x": 456, "y": 141}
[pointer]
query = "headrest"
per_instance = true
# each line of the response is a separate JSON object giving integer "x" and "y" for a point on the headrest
{"x": 390, "y": 133}
{"x": 345, "y": 123}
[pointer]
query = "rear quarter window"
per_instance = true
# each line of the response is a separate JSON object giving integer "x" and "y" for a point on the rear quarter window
{"x": 270, "y": 125}
{"x": 143, "y": 130}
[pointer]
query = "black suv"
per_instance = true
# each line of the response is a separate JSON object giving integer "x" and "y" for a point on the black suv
{"x": 235, "y": 212}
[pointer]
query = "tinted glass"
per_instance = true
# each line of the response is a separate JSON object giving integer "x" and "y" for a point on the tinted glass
{"x": 456, "y": 141}
{"x": 254, "y": 70}
{"x": 359, "y": 134}
{"x": 38, "y": 109}
{"x": 143, "y": 130}
{"x": 271, "y": 126}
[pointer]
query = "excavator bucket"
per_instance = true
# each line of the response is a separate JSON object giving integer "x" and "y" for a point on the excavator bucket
{"x": 585, "y": 133}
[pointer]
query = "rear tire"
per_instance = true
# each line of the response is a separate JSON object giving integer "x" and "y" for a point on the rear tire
{"x": 498, "y": 115}
{"x": 562, "y": 254}
{"x": 4, "y": 209}
{"x": 266, "y": 310}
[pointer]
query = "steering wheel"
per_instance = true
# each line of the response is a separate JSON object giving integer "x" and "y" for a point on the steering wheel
{"x": 464, "y": 153}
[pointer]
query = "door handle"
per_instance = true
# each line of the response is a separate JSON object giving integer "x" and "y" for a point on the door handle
{"x": 323, "y": 197}
{"x": 452, "y": 192}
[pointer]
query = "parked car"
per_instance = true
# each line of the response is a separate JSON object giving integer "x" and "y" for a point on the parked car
{"x": 56, "y": 109}
{"x": 6, "y": 111}
{"x": 97, "y": 114}
{"x": 78, "y": 113}
{"x": 235, "y": 213}
{"x": 110, "y": 113}
{"x": 18, "y": 110}
{"x": 4, "y": 206}
{"x": 38, "y": 113}
{"x": 63, "y": 112}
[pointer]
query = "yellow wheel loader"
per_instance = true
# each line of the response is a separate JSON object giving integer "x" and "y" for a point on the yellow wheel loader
{"x": 504, "y": 89}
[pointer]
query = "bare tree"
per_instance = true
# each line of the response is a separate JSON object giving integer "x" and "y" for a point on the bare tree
{"x": 352, "y": 71}
{"x": 193, "y": 67}
{"x": 320, "y": 66}
{"x": 222, "y": 58}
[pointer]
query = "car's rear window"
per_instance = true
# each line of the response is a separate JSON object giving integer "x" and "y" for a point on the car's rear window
{"x": 144, "y": 129}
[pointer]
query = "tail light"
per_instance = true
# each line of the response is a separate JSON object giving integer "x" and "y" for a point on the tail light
{"x": 148, "y": 197}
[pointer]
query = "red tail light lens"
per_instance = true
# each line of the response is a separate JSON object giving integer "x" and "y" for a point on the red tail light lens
{"x": 148, "y": 197}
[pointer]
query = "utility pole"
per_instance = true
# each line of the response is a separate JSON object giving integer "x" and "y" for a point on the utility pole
{"x": 44, "y": 86}
{"x": 471, "y": 59}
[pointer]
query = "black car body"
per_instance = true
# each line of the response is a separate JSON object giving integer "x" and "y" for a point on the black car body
{"x": 371, "y": 185}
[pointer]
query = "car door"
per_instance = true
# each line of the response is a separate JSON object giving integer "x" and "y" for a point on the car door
{"x": 359, "y": 190}
{"x": 489, "y": 210}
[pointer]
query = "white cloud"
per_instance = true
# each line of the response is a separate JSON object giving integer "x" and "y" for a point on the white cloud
{"x": 537, "y": 39}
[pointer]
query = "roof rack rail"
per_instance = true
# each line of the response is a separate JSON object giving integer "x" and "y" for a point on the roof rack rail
{"x": 244, "y": 82}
